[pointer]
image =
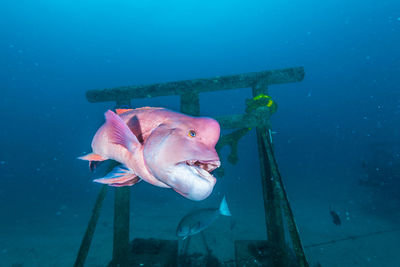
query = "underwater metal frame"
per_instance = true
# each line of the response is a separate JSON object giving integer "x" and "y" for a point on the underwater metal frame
{"x": 276, "y": 204}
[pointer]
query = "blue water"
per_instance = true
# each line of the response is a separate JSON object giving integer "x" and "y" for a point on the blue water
{"x": 52, "y": 52}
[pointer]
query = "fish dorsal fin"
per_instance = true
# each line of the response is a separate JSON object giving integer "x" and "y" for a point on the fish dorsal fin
{"x": 120, "y": 133}
{"x": 120, "y": 111}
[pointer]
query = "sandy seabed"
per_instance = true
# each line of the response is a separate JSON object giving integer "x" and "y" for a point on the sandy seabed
{"x": 53, "y": 239}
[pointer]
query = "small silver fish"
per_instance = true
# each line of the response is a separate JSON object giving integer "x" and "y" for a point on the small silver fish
{"x": 198, "y": 220}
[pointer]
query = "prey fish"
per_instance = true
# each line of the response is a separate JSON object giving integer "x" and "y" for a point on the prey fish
{"x": 198, "y": 220}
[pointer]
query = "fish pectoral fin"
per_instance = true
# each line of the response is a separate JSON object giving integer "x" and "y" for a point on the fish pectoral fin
{"x": 131, "y": 182}
{"x": 119, "y": 176}
{"x": 120, "y": 133}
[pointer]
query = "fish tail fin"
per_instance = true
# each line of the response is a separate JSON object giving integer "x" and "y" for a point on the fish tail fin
{"x": 121, "y": 134}
{"x": 94, "y": 160}
{"x": 92, "y": 157}
{"x": 223, "y": 208}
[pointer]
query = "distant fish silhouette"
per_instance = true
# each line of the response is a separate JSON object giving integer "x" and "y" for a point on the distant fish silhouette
{"x": 335, "y": 217}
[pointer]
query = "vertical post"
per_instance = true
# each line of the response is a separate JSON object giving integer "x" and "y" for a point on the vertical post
{"x": 280, "y": 190}
{"x": 87, "y": 239}
{"x": 190, "y": 103}
{"x": 121, "y": 227}
{"x": 272, "y": 204}
{"x": 121, "y": 219}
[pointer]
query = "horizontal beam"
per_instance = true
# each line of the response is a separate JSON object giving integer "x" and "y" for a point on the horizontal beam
{"x": 217, "y": 83}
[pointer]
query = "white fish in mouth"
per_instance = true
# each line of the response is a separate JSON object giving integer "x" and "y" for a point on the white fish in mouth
{"x": 198, "y": 220}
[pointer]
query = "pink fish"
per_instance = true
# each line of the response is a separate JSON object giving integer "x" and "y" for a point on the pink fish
{"x": 162, "y": 147}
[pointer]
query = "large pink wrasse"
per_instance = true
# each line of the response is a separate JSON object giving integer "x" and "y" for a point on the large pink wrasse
{"x": 162, "y": 147}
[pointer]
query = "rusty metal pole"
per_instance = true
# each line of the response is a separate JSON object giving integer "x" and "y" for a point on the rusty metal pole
{"x": 87, "y": 239}
{"x": 281, "y": 192}
{"x": 121, "y": 227}
{"x": 272, "y": 202}
{"x": 228, "y": 82}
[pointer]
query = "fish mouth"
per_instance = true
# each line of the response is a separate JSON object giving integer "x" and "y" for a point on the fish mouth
{"x": 203, "y": 167}
{"x": 207, "y": 165}
{"x": 192, "y": 178}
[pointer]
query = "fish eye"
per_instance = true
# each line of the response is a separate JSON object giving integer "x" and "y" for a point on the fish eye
{"x": 192, "y": 133}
